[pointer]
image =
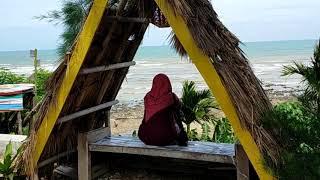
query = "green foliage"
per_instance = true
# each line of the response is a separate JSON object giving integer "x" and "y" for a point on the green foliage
{"x": 217, "y": 130}
{"x": 193, "y": 135}
{"x": 196, "y": 107}
{"x": 7, "y": 77}
{"x": 6, "y": 167}
{"x": 223, "y": 132}
{"x": 293, "y": 125}
{"x": 42, "y": 77}
{"x": 205, "y": 136}
{"x": 196, "y": 104}
{"x": 71, "y": 16}
{"x": 311, "y": 77}
{"x": 297, "y": 130}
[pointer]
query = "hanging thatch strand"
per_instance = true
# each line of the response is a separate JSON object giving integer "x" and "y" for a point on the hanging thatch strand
{"x": 217, "y": 42}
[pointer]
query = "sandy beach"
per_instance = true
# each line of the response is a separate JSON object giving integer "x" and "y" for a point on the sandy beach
{"x": 126, "y": 118}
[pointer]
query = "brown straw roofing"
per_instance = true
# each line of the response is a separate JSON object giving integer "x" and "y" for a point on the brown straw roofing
{"x": 217, "y": 42}
{"x": 114, "y": 42}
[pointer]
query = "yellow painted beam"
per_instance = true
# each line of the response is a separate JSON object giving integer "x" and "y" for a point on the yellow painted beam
{"x": 210, "y": 75}
{"x": 78, "y": 55}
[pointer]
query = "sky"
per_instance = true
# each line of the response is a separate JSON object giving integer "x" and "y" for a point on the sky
{"x": 250, "y": 20}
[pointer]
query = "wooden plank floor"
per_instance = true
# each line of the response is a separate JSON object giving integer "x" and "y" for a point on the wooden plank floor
{"x": 200, "y": 151}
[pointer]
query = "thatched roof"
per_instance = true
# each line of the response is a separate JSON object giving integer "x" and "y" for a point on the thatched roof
{"x": 111, "y": 45}
{"x": 217, "y": 42}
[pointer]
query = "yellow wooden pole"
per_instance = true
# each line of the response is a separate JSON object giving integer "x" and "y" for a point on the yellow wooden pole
{"x": 76, "y": 61}
{"x": 210, "y": 75}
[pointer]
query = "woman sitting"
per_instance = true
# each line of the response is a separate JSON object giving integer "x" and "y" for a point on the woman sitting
{"x": 162, "y": 124}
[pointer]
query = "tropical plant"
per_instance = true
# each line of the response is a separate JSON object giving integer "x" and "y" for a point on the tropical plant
{"x": 7, "y": 77}
{"x": 311, "y": 77}
{"x": 219, "y": 131}
{"x": 6, "y": 167}
{"x": 206, "y": 132}
{"x": 223, "y": 132}
{"x": 196, "y": 104}
{"x": 297, "y": 130}
{"x": 71, "y": 16}
{"x": 42, "y": 77}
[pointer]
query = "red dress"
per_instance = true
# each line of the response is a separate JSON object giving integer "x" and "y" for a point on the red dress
{"x": 160, "y": 126}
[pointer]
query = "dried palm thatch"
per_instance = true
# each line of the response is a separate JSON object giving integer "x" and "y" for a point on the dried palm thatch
{"x": 218, "y": 43}
{"x": 114, "y": 42}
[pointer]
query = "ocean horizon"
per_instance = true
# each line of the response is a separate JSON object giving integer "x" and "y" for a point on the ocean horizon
{"x": 267, "y": 59}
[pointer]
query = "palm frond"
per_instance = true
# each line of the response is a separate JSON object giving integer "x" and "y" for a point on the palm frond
{"x": 316, "y": 53}
{"x": 297, "y": 68}
{"x": 203, "y": 94}
{"x": 52, "y": 17}
{"x": 71, "y": 16}
{"x": 196, "y": 104}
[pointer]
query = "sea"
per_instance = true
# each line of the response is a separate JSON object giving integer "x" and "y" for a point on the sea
{"x": 266, "y": 58}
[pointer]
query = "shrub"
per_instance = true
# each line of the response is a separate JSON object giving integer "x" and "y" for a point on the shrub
{"x": 297, "y": 130}
{"x": 42, "y": 77}
{"x": 7, "y": 77}
{"x": 196, "y": 104}
{"x": 6, "y": 167}
{"x": 223, "y": 132}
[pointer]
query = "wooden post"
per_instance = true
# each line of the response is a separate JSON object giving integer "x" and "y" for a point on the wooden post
{"x": 35, "y": 63}
{"x": 107, "y": 122}
{"x": 242, "y": 163}
{"x": 34, "y": 54}
{"x": 84, "y": 158}
{"x": 35, "y": 76}
{"x": 19, "y": 123}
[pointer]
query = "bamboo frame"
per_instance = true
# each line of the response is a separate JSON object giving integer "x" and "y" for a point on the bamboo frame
{"x": 210, "y": 75}
{"x": 107, "y": 68}
{"x": 87, "y": 111}
{"x": 76, "y": 61}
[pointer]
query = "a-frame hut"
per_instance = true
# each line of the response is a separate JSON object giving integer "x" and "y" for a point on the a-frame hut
{"x": 85, "y": 85}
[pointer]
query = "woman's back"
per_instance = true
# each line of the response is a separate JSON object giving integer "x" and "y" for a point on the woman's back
{"x": 160, "y": 129}
{"x": 160, "y": 125}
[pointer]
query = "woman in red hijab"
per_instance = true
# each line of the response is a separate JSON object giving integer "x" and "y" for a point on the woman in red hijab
{"x": 162, "y": 124}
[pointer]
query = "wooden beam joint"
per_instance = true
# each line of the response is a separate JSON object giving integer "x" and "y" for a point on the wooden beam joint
{"x": 87, "y": 111}
{"x": 107, "y": 68}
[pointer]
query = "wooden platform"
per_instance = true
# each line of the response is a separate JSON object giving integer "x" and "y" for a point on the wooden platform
{"x": 199, "y": 151}
{"x": 219, "y": 156}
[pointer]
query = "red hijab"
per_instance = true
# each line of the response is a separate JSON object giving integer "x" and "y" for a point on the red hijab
{"x": 160, "y": 96}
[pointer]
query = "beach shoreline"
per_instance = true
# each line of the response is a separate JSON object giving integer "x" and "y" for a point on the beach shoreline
{"x": 126, "y": 117}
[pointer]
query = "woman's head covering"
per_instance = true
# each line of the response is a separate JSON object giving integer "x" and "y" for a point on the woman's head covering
{"x": 160, "y": 96}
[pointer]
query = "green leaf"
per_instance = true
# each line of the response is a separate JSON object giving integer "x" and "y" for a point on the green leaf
{"x": 8, "y": 152}
{"x": 2, "y": 168}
